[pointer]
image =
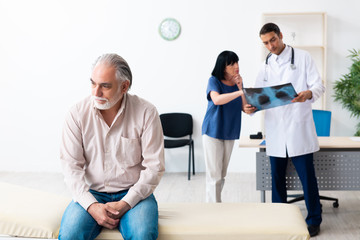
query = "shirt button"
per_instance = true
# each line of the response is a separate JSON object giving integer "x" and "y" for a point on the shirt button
{"x": 106, "y": 167}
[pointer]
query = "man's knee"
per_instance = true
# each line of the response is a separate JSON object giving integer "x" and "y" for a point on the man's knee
{"x": 69, "y": 233}
{"x": 141, "y": 222}
{"x": 78, "y": 231}
{"x": 77, "y": 224}
{"x": 141, "y": 233}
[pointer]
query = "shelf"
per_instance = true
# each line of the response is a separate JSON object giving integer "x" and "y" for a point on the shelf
{"x": 277, "y": 14}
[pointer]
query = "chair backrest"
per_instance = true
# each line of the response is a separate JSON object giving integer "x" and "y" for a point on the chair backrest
{"x": 322, "y": 120}
{"x": 176, "y": 124}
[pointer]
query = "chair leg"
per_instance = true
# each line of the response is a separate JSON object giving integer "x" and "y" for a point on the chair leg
{"x": 301, "y": 197}
{"x": 189, "y": 167}
{"x": 335, "y": 203}
{"x": 296, "y": 199}
{"x": 193, "y": 158}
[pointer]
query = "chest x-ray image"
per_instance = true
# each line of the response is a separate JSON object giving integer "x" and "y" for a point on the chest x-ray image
{"x": 269, "y": 97}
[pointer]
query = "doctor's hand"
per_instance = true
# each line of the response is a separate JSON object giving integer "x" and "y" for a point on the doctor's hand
{"x": 249, "y": 109}
{"x": 303, "y": 96}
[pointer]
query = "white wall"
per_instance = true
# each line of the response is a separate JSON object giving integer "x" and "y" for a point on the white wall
{"x": 47, "y": 48}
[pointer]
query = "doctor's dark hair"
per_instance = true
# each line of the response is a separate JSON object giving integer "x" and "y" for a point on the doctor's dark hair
{"x": 270, "y": 27}
{"x": 224, "y": 59}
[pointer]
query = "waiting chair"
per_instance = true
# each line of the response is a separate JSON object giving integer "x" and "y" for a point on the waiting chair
{"x": 322, "y": 120}
{"x": 179, "y": 125}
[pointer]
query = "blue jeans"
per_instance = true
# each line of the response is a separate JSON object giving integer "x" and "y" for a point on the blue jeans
{"x": 305, "y": 169}
{"x": 139, "y": 223}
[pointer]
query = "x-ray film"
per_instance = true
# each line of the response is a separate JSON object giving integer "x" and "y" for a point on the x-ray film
{"x": 269, "y": 97}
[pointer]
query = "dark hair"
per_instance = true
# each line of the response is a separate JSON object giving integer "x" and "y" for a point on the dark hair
{"x": 224, "y": 59}
{"x": 270, "y": 27}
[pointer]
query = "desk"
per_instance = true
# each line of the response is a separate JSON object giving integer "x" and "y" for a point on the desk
{"x": 337, "y": 165}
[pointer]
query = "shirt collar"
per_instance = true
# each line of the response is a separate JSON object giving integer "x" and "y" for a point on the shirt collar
{"x": 123, "y": 104}
{"x": 284, "y": 56}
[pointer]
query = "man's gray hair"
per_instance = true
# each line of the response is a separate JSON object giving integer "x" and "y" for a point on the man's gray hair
{"x": 123, "y": 72}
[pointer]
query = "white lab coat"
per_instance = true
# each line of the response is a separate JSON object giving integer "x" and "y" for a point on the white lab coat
{"x": 291, "y": 127}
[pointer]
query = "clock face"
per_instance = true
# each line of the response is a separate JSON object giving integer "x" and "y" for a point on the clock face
{"x": 169, "y": 29}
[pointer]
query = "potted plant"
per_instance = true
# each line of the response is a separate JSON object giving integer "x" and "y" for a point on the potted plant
{"x": 347, "y": 89}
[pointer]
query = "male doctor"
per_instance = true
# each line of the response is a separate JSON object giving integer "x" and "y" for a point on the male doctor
{"x": 290, "y": 129}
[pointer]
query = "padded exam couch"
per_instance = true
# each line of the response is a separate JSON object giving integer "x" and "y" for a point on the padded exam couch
{"x": 30, "y": 213}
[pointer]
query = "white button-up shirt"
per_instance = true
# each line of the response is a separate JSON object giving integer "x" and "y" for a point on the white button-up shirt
{"x": 291, "y": 128}
{"x": 127, "y": 155}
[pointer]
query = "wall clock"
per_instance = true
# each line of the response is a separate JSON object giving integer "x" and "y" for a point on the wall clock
{"x": 169, "y": 29}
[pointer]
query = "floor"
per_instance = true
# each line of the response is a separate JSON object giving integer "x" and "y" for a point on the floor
{"x": 341, "y": 223}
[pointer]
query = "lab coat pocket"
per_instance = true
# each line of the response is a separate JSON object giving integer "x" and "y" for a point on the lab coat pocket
{"x": 129, "y": 151}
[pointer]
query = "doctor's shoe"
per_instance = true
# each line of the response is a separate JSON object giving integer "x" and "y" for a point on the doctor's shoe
{"x": 314, "y": 230}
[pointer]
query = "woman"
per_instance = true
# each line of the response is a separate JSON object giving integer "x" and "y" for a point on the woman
{"x": 221, "y": 125}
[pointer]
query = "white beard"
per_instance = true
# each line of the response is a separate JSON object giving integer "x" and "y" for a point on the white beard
{"x": 108, "y": 104}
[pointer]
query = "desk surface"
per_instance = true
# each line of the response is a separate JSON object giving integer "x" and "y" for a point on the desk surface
{"x": 324, "y": 142}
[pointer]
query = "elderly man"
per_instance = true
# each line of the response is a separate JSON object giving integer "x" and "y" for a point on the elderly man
{"x": 112, "y": 156}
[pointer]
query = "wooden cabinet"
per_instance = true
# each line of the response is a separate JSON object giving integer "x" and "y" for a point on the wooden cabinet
{"x": 305, "y": 31}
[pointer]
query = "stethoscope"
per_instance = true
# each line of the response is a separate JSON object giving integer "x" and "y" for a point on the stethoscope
{"x": 292, "y": 65}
